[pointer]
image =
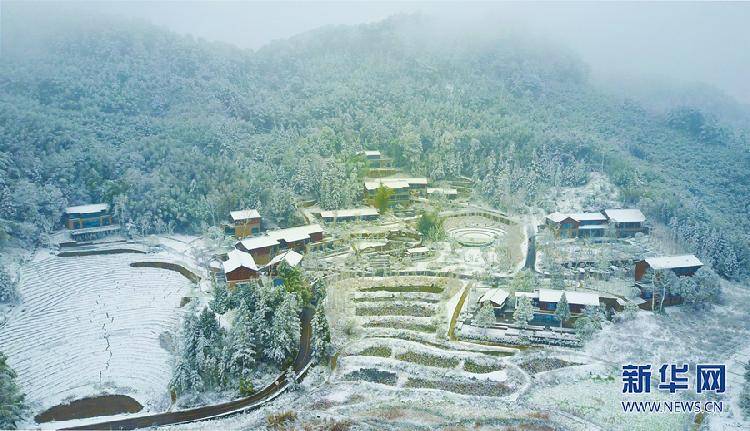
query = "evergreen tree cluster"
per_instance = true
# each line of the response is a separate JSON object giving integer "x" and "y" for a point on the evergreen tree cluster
{"x": 13, "y": 408}
{"x": 265, "y": 329}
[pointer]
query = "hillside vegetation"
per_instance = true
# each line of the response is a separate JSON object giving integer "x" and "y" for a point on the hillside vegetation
{"x": 176, "y": 132}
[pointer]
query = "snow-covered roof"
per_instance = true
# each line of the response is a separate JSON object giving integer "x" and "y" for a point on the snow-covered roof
{"x": 391, "y": 184}
{"x": 496, "y": 296}
{"x": 445, "y": 191}
{"x": 258, "y": 242}
{"x": 534, "y": 294}
{"x": 625, "y": 215}
{"x": 417, "y": 250}
{"x": 352, "y": 212}
{"x": 669, "y": 262}
{"x": 579, "y": 298}
{"x": 415, "y": 180}
{"x": 87, "y": 209}
{"x": 588, "y": 217}
{"x": 557, "y": 217}
{"x": 244, "y": 214}
{"x": 293, "y": 234}
{"x": 236, "y": 259}
{"x": 291, "y": 257}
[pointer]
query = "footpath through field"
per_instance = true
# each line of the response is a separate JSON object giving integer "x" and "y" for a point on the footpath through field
{"x": 301, "y": 365}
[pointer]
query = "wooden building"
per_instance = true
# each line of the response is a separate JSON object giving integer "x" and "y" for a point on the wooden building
{"x": 344, "y": 215}
{"x": 297, "y": 238}
{"x": 376, "y": 160}
{"x": 577, "y": 301}
{"x": 449, "y": 193}
{"x": 683, "y": 266}
{"x": 289, "y": 257}
{"x": 246, "y": 223}
{"x": 260, "y": 247}
{"x": 627, "y": 221}
{"x": 577, "y": 225}
{"x": 88, "y": 216}
{"x": 239, "y": 267}
{"x": 403, "y": 188}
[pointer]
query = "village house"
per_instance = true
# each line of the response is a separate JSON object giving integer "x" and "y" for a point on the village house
{"x": 86, "y": 216}
{"x": 577, "y": 301}
{"x": 627, "y": 222}
{"x": 577, "y": 225}
{"x": 240, "y": 267}
{"x": 645, "y": 270}
{"x": 352, "y": 214}
{"x": 403, "y": 188}
{"x": 449, "y": 193}
{"x": 684, "y": 265}
{"x": 376, "y": 160}
{"x": 262, "y": 248}
{"x": 620, "y": 223}
{"x": 246, "y": 223}
{"x": 289, "y": 257}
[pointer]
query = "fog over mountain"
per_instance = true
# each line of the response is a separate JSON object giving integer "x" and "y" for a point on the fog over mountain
{"x": 676, "y": 43}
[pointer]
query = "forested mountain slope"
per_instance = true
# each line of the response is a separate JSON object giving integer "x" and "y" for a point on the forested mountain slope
{"x": 176, "y": 132}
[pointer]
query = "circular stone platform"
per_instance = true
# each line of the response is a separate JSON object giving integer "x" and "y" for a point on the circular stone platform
{"x": 474, "y": 231}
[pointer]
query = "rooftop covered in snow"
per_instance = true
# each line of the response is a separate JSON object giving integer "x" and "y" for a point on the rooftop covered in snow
{"x": 669, "y": 262}
{"x": 244, "y": 214}
{"x": 236, "y": 259}
{"x": 495, "y": 296}
{"x": 87, "y": 209}
{"x": 291, "y": 257}
{"x": 579, "y": 298}
{"x": 625, "y": 215}
{"x": 351, "y": 212}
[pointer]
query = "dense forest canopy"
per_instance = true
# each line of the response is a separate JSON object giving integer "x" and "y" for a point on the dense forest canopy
{"x": 175, "y": 132}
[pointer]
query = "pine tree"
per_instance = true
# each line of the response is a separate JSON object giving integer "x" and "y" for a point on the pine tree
{"x": 13, "y": 408}
{"x": 220, "y": 301}
{"x": 8, "y": 291}
{"x": 485, "y": 317}
{"x": 321, "y": 342}
{"x": 524, "y": 311}
{"x": 745, "y": 395}
{"x": 240, "y": 354}
{"x": 285, "y": 331}
{"x": 562, "y": 311}
{"x": 185, "y": 376}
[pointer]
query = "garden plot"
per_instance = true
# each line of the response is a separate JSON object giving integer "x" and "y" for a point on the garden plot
{"x": 91, "y": 325}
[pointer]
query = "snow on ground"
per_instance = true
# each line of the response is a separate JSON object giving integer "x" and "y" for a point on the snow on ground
{"x": 91, "y": 325}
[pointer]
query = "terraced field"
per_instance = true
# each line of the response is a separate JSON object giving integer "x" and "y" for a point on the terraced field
{"x": 402, "y": 343}
{"x": 93, "y": 324}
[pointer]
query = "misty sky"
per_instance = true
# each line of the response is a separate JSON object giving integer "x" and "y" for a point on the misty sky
{"x": 707, "y": 42}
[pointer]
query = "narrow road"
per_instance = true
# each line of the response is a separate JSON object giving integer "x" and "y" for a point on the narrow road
{"x": 531, "y": 251}
{"x": 224, "y": 409}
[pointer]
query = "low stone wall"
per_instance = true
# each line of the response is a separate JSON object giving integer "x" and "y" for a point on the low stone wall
{"x": 98, "y": 252}
{"x": 190, "y": 275}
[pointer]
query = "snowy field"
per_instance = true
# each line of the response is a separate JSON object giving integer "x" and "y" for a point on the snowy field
{"x": 92, "y": 325}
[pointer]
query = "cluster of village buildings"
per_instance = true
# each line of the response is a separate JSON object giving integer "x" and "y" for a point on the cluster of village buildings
{"x": 609, "y": 222}
{"x": 258, "y": 251}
